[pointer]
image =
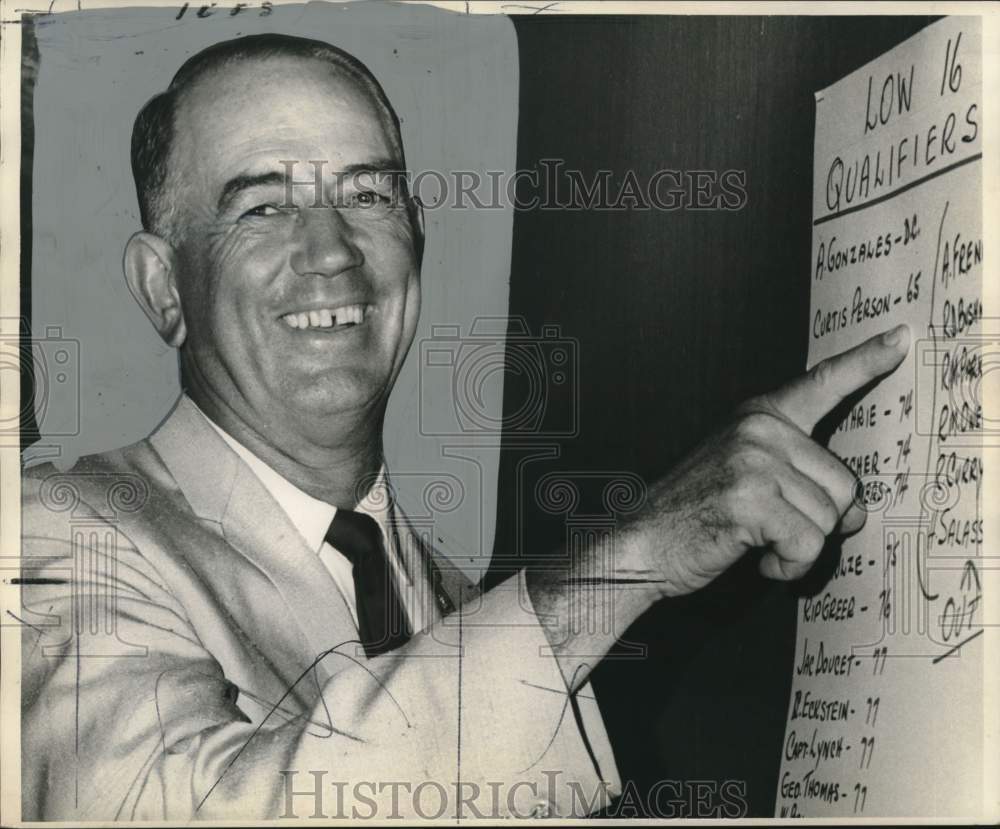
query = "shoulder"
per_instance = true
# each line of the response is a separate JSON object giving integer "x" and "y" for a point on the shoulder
{"x": 97, "y": 488}
{"x": 95, "y": 520}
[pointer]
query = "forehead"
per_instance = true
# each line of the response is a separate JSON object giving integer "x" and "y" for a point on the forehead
{"x": 255, "y": 113}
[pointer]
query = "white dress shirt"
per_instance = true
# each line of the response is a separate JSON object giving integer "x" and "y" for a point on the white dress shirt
{"x": 312, "y": 518}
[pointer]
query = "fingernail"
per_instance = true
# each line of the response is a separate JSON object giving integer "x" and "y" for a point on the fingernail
{"x": 895, "y": 336}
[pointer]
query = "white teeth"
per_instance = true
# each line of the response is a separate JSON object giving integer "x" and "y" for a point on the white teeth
{"x": 349, "y": 313}
{"x": 326, "y": 317}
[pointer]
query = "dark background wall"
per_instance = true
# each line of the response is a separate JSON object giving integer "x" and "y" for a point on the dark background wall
{"x": 679, "y": 316}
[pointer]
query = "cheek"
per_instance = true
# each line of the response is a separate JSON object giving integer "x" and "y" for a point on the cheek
{"x": 227, "y": 282}
{"x": 253, "y": 251}
{"x": 245, "y": 262}
{"x": 399, "y": 295}
{"x": 391, "y": 257}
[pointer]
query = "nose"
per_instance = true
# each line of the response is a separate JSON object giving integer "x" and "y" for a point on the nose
{"x": 325, "y": 245}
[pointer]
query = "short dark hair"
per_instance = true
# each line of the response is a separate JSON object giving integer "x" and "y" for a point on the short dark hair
{"x": 153, "y": 132}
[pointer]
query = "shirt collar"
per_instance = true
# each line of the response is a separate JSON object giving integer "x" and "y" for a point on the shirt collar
{"x": 310, "y": 516}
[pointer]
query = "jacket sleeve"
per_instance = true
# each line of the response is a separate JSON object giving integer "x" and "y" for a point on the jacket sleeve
{"x": 470, "y": 718}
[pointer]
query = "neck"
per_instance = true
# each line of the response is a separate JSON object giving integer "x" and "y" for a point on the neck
{"x": 337, "y": 467}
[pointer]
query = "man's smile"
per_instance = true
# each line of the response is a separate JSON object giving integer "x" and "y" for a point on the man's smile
{"x": 329, "y": 318}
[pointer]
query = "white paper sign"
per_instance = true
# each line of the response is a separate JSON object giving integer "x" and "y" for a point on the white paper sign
{"x": 886, "y": 713}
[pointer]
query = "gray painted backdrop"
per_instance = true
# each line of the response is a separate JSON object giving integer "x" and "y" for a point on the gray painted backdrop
{"x": 453, "y": 80}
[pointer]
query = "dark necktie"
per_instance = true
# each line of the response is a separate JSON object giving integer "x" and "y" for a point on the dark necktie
{"x": 382, "y": 621}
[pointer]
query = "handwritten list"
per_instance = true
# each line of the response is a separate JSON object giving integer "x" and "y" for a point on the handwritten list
{"x": 886, "y": 711}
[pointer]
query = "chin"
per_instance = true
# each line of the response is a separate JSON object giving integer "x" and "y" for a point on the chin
{"x": 329, "y": 396}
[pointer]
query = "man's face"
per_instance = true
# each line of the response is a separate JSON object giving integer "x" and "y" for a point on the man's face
{"x": 295, "y": 313}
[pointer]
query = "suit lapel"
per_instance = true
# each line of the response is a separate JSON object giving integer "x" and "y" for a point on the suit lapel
{"x": 221, "y": 488}
{"x": 256, "y": 526}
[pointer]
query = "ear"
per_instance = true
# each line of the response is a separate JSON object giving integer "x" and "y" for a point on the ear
{"x": 149, "y": 271}
{"x": 417, "y": 218}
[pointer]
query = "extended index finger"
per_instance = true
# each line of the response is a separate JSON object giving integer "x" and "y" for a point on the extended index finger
{"x": 808, "y": 398}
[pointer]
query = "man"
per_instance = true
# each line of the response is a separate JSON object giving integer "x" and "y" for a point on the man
{"x": 284, "y": 644}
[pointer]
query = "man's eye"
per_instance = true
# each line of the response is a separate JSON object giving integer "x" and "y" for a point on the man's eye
{"x": 263, "y": 210}
{"x": 369, "y": 198}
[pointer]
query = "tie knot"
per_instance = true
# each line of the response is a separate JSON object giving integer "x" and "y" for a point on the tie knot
{"x": 354, "y": 534}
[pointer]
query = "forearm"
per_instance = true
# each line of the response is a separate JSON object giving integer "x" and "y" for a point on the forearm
{"x": 586, "y": 601}
{"x": 473, "y": 703}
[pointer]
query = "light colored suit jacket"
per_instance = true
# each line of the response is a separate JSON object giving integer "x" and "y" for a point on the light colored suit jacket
{"x": 186, "y": 655}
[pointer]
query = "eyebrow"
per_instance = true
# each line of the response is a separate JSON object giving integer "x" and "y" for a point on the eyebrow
{"x": 246, "y": 181}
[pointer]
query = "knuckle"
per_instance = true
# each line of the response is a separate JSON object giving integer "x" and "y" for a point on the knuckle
{"x": 811, "y": 542}
{"x": 755, "y": 426}
{"x": 844, "y": 483}
{"x": 736, "y": 500}
{"x": 815, "y": 541}
{"x": 753, "y": 405}
{"x": 831, "y": 516}
{"x": 748, "y": 460}
{"x": 845, "y": 492}
{"x": 822, "y": 373}
{"x": 732, "y": 502}
{"x": 749, "y": 489}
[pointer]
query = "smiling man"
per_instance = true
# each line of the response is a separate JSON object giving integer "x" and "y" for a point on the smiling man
{"x": 295, "y": 319}
{"x": 251, "y": 628}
